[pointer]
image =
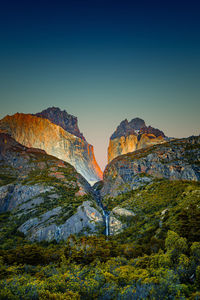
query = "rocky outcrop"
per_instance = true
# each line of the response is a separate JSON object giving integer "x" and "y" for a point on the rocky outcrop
{"x": 123, "y": 212}
{"x": 22, "y": 165}
{"x": 63, "y": 119}
{"x": 175, "y": 160}
{"x": 116, "y": 225}
{"x": 131, "y": 136}
{"x": 23, "y": 197}
{"x": 37, "y": 132}
{"x": 130, "y": 143}
{"x": 45, "y": 227}
{"x": 46, "y": 196}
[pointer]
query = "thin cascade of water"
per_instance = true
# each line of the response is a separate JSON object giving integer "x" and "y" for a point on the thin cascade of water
{"x": 107, "y": 224}
{"x": 106, "y": 214}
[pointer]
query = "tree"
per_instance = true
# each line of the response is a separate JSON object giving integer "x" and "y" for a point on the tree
{"x": 175, "y": 245}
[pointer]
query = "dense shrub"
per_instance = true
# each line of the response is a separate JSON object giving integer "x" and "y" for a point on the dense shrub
{"x": 157, "y": 256}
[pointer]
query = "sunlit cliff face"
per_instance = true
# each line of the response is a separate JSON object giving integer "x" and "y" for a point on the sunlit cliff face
{"x": 33, "y": 131}
{"x": 131, "y": 143}
{"x": 132, "y": 136}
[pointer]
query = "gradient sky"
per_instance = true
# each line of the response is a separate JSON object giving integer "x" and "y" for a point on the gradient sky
{"x": 103, "y": 61}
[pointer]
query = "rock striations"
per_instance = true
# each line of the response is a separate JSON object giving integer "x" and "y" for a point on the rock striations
{"x": 47, "y": 198}
{"x": 131, "y": 136}
{"x": 174, "y": 160}
{"x": 40, "y": 132}
{"x": 63, "y": 119}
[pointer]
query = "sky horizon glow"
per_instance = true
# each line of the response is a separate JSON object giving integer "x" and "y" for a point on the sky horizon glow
{"x": 103, "y": 61}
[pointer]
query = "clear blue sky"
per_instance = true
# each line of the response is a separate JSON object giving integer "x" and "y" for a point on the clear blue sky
{"x": 103, "y": 61}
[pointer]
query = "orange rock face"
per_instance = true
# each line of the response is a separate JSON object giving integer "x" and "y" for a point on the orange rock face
{"x": 176, "y": 159}
{"x": 130, "y": 143}
{"x": 37, "y": 132}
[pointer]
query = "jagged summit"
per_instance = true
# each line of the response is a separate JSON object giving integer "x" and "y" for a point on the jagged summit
{"x": 137, "y": 123}
{"x": 126, "y": 128}
{"x": 38, "y": 132}
{"x": 177, "y": 159}
{"x": 131, "y": 136}
{"x": 63, "y": 119}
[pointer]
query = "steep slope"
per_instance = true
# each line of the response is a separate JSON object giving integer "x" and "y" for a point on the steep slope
{"x": 63, "y": 119}
{"x": 140, "y": 189}
{"x": 47, "y": 198}
{"x": 144, "y": 215}
{"x": 37, "y": 132}
{"x": 154, "y": 250}
{"x": 174, "y": 160}
{"x": 131, "y": 136}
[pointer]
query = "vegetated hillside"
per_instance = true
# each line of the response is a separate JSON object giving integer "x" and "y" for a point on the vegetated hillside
{"x": 39, "y": 132}
{"x": 46, "y": 197}
{"x": 157, "y": 256}
{"x": 149, "y": 211}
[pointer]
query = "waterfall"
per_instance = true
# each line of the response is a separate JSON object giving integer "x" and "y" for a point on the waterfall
{"x": 107, "y": 224}
{"x": 58, "y": 234}
{"x": 106, "y": 214}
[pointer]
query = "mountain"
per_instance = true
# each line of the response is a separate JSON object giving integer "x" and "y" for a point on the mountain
{"x": 51, "y": 224}
{"x": 146, "y": 178}
{"x": 39, "y": 132}
{"x": 68, "y": 122}
{"x": 46, "y": 197}
{"x": 131, "y": 136}
{"x": 174, "y": 160}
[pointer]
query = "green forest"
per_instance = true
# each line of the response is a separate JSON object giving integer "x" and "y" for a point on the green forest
{"x": 156, "y": 255}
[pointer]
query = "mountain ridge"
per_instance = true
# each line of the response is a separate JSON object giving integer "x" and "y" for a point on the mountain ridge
{"x": 53, "y": 242}
{"x": 46, "y": 197}
{"x": 175, "y": 159}
{"x": 37, "y": 132}
{"x": 60, "y": 117}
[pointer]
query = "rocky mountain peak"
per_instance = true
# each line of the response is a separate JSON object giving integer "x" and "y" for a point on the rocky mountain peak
{"x": 151, "y": 130}
{"x": 126, "y": 128}
{"x": 39, "y": 132}
{"x": 137, "y": 123}
{"x": 131, "y": 136}
{"x": 177, "y": 159}
{"x": 63, "y": 119}
{"x": 134, "y": 127}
